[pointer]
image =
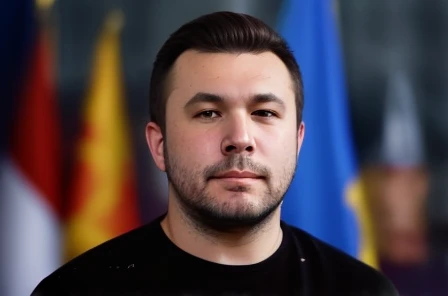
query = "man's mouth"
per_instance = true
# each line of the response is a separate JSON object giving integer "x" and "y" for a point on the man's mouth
{"x": 237, "y": 175}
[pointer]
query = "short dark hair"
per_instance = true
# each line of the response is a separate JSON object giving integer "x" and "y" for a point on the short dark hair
{"x": 219, "y": 32}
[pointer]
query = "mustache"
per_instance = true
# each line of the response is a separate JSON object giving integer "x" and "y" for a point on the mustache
{"x": 239, "y": 162}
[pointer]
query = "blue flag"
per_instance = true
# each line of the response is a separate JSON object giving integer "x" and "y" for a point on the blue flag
{"x": 317, "y": 200}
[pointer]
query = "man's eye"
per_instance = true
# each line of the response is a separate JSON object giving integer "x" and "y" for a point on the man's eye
{"x": 209, "y": 114}
{"x": 264, "y": 113}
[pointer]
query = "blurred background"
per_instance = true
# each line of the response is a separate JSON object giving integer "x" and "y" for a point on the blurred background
{"x": 75, "y": 170}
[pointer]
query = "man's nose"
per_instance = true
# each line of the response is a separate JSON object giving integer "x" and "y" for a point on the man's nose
{"x": 238, "y": 136}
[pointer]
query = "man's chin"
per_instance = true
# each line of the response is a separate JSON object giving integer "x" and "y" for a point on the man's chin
{"x": 232, "y": 221}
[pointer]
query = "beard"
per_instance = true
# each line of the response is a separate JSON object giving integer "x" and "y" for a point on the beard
{"x": 210, "y": 214}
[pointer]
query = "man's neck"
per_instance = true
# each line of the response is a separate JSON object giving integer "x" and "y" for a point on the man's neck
{"x": 243, "y": 247}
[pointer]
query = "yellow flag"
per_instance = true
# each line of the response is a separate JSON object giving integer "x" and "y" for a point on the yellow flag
{"x": 103, "y": 203}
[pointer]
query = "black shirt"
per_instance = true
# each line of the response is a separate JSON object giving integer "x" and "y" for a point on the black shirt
{"x": 145, "y": 262}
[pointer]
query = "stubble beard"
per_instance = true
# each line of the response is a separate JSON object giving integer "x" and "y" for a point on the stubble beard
{"x": 210, "y": 215}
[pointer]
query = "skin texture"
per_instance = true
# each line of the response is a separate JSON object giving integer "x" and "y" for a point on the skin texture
{"x": 230, "y": 152}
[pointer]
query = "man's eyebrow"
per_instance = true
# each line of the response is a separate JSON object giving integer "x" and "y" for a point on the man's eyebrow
{"x": 202, "y": 97}
{"x": 268, "y": 98}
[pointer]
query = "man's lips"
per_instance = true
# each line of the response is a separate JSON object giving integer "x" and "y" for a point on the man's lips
{"x": 237, "y": 175}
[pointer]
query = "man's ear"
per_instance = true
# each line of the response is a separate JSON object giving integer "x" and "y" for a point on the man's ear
{"x": 155, "y": 141}
{"x": 300, "y": 136}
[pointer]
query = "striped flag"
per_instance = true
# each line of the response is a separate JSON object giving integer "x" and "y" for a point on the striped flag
{"x": 104, "y": 201}
{"x": 30, "y": 180}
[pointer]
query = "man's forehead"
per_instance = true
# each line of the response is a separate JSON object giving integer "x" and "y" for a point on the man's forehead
{"x": 197, "y": 71}
{"x": 201, "y": 59}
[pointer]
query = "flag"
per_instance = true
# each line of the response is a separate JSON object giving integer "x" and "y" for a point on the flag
{"x": 325, "y": 198}
{"x": 104, "y": 199}
{"x": 30, "y": 204}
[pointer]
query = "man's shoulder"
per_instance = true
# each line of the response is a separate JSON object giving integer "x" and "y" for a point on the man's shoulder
{"x": 104, "y": 262}
{"x": 341, "y": 271}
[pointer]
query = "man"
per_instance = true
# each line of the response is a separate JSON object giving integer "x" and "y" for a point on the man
{"x": 226, "y": 126}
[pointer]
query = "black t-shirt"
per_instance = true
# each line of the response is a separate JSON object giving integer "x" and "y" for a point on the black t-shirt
{"x": 145, "y": 262}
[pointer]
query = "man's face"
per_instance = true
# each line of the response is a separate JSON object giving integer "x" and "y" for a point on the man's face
{"x": 231, "y": 140}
